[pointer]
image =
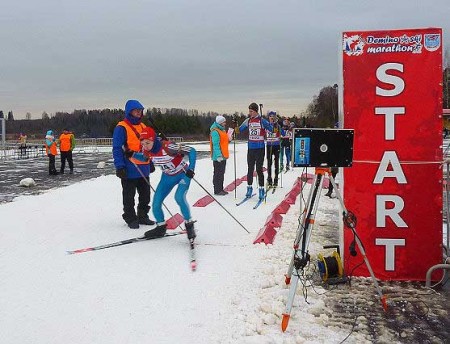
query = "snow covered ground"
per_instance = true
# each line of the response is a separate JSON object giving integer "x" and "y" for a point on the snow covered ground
{"x": 146, "y": 293}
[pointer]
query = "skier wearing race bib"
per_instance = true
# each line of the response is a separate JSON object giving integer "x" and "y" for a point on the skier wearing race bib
{"x": 273, "y": 149}
{"x": 175, "y": 171}
{"x": 256, "y": 126}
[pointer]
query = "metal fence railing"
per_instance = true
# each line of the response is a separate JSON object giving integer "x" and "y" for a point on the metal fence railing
{"x": 35, "y": 148}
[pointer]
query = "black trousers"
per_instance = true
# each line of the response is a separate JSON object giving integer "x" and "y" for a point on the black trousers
{"x": 51, "y": 164}
{"x": 66, "y": 156}
{"x": 273, "y": 151}
{"x": 129, "y": 188}
{"x": 255, "y": 157}
{"x": 218, "y": 176}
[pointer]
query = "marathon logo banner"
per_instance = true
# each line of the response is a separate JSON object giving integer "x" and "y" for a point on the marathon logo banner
{"x": 392, "y": 98}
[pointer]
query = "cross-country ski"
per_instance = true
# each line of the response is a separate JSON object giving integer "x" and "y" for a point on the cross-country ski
{"x": 245, "y": 200}
{"x": 120, "y": 243}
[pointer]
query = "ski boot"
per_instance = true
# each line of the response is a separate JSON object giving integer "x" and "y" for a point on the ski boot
{"x": 275, "y": 183}
{"x": 249, "y": 191}
{"x": 262, "y": 192}
{"x": 190, "y": 230}
{"x": 269, "y": 183}
{"x": 157, "y": 232}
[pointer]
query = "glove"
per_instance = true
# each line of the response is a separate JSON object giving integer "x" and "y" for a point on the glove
{"x": 219, "y": 159}
{"x": 152, "y": 167}
{"x": 121, "y": 173}
{"x": 189, "y": 174}
{"x": 128, "y": 153}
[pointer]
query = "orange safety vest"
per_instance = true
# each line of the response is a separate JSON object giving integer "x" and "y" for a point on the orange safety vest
{"x": 52, "y": 149}
{"x": 65, "y": 142}
{"x": 223, "y": 143}
{"x": 133, "y": 143}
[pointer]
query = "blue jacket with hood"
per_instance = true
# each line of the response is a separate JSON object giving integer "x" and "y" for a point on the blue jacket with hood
{"x": 120, "y": 139}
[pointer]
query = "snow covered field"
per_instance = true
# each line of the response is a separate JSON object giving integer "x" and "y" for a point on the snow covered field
{"x": 146, "y": 293}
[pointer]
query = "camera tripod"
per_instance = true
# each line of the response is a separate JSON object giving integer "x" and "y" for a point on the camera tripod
{"x": 300, "y": 257}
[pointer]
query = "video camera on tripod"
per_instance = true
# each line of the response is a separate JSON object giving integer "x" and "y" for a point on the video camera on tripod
{"x": 322, "y": 147}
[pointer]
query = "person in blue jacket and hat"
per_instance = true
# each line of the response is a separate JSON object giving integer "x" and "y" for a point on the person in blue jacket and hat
{"x": 134, "y": 176}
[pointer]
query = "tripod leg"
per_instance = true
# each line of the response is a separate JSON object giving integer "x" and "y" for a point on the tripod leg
{"x": 303, "y": 235}
{"x": 306, "y": 223}
{"x": 289, "y": 303}
{"x": 360, "y": 246}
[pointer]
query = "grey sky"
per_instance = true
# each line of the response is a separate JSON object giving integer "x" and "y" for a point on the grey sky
{"x": 59, "y": 55}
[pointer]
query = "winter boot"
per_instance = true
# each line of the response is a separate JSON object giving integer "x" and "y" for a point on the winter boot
{"x": 275, "y": 183}
{"x": 261, "y": 192}
{"x": 249, "y": 191}
{"x": 145, "y": 220}
{"x": 133, "y": 224}
{"x": 287, "y": 167}
{"x": 269, "y": 182}
{"x": 190, "y": 230}
{"x": 157, "y": 232}
{"x": 328, "y": 194}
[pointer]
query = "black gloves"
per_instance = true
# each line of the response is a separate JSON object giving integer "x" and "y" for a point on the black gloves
{"x": 121, "y": 173}
{"x": 152, "y": 167}
{"x": 190, "y": 173}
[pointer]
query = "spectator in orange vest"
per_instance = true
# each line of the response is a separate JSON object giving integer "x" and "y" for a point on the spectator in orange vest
{"x": 51, "y": 151}
{"x": 133, "y": 176}
{"x": 218, "y": 142}
{"x": 66, "y": 146}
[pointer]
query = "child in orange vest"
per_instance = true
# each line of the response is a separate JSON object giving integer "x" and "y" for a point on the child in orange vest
{"x": 51, "y": 151}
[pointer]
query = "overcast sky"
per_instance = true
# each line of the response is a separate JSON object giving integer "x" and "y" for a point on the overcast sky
{"x": 61, "y": 55}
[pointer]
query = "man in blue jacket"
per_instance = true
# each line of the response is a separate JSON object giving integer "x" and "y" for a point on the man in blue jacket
{"x": 134, "y": 176}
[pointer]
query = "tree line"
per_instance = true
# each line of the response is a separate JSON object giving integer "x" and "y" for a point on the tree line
{"x": 101, "y": 123}
{"x": 321, "y": 112}
{"x": 189, "y": 124}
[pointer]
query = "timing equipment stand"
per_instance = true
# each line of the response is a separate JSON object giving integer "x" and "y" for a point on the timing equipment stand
{"x": 301, "y": 257}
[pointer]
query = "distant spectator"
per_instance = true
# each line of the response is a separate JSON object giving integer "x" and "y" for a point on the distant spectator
{"x": 22, "y": 144}
{"x": 52, "y": 151}
{"x": 66, "y": 146}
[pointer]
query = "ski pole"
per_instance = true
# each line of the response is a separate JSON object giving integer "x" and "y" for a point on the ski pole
{"x": 234, "y": 157}
{"x": 207, "y": 190}
{"x": 240, "y": 224}
{"x": 164, "y": 137}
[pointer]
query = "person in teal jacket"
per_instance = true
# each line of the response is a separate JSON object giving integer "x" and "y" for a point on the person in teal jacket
{"x": 219, "y": 153}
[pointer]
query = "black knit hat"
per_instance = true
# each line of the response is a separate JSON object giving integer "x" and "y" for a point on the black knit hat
{"x": 254, "y": 106}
